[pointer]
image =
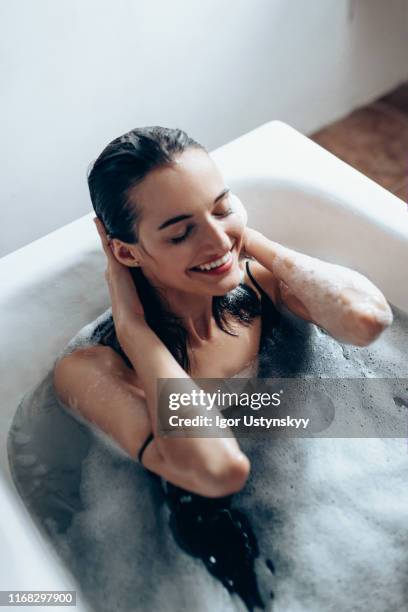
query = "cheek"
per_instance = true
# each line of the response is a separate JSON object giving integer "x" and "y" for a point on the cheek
{"x": 174, "y": 260}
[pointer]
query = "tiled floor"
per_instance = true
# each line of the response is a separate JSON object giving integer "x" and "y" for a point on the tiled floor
{"x": 374, "y": 140}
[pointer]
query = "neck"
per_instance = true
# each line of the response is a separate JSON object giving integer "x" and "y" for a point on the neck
{"x": 195, "y": 312}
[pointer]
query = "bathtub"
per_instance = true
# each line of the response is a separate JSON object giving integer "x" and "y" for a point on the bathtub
{"x": 296, "y": 193}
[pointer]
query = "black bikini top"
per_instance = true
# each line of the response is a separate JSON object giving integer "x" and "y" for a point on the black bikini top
{"x": 270, "y": 319}
{"x": 257, "y": 285}
{"x": 271, "y": 316}
{"x": 106, "y": 334}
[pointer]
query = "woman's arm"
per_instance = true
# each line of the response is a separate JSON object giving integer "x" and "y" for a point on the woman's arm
{"x": 220, "y": 459}
{"x": 152, "y": 360}
{"x": 342, "y": 301}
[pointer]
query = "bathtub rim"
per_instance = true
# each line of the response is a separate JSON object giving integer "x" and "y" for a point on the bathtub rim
{"x": 250, "y": 155}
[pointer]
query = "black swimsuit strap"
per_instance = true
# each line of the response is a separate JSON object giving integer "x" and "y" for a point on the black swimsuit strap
{"x": 143, "y": 448}
{"x": 263, "y": 294}
{"x": 253, "y": 280}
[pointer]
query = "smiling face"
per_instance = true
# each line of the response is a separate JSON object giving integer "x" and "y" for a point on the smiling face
{"x": 188, "y": 217}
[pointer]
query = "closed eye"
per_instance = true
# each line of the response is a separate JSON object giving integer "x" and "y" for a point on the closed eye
{"x": 179, "y": 239}
{"x": 183, "y": 237}
{"x": 226, "y": 213}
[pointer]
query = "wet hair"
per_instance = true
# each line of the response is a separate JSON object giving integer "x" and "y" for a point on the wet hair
{"x": 122, "y": 165}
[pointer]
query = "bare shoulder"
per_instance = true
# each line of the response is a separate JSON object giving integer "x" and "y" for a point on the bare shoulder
{"x": 85, "y": 364}
{"x": 93, "y": 382}
{"x": 265, "y": 278}
{"x": 91, "y": 354}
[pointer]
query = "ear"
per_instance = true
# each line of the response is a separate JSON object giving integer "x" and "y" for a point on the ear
{"x": 126, "y": 254}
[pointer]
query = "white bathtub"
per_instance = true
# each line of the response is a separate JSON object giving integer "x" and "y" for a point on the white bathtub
{"x": 296, "y": 193}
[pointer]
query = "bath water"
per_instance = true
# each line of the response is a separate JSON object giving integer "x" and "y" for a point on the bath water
{"x": 320, "y": 524}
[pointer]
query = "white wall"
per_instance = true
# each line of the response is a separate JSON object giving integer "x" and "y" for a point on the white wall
{"x": 77, "y": 73}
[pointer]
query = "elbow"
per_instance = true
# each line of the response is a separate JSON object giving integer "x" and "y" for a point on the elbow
{"x": 370, "y": 326}
{"x": 227, "y": 478}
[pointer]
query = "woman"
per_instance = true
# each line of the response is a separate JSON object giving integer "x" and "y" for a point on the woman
{"x": 175, "y": 238}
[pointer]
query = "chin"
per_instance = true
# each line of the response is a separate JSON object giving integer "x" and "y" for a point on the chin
{"x": 228, "y": 285}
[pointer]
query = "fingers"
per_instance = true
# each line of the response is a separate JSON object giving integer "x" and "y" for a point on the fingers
{"x": 101, "y": 230}
{"x": 103, "y": 236}
{"x": 240, "y": 209}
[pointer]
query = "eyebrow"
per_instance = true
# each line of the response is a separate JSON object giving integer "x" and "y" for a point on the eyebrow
{"x": 182, "y": 217}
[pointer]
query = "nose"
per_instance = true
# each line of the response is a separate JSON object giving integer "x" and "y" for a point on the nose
{"x": 216, "y": 242}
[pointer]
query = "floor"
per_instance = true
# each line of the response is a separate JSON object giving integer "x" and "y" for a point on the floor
{"x": 374, "y": 140}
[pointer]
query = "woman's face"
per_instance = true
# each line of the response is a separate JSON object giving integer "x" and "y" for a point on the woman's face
{"x": 189, "y": 218}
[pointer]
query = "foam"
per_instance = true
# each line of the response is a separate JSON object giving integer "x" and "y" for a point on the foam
{"x": 320, "y": 284}
{"x": 329, "y": 513}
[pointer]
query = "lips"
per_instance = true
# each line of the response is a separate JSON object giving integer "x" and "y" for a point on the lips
{"x": 196, "y": 268}
{"x": 219, "y": 270}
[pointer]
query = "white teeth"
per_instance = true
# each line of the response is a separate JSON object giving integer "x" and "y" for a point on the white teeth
{"x": 216, "y": 263}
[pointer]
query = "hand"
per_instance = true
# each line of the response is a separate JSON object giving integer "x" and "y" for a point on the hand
{"x": 252, "y": 241}
{"x": 249, "y": 238}
{"x": 239, "y": 209}
{"x": 126, "y": 305}
{"x": 248, "y": 234}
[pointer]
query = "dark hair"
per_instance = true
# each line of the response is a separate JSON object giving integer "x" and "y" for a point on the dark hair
{"x": 124, "y": 163}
